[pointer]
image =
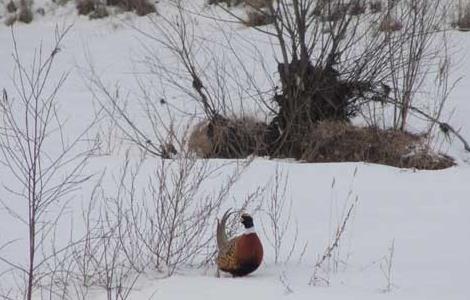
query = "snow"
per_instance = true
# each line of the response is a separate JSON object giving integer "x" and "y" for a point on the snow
{"x": 425, "y": 214}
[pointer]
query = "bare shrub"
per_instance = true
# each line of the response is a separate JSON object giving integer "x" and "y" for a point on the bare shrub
{"x": 101, "y": 259}
{"x": 327, "y": 262}
{"x": 386, "y": 266}
{"x": 327, "y": 71}
{"x": 228, "y": 138}
{"x": 278, "y": 208}
{"x": 419, "y": 44}
{"x": 47, "y": 167}
{"x": 339, "y": 141}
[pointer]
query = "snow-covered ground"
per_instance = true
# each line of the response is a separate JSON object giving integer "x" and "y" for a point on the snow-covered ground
{"x": 425, "y": 215}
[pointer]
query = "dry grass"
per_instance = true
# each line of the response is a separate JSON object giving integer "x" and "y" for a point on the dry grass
{"x": 11, "y": 7}
{"x": 341, "y": 142}
{"x": 228, "y": 138}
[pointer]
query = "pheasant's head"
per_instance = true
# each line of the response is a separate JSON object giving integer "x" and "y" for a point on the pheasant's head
{"x": 247, "y": 220}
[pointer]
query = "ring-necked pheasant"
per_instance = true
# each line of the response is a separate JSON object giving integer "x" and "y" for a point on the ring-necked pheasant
{"x": 242, "y": 254}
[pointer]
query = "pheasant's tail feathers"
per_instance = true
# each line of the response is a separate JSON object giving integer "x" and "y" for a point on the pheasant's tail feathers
{"x": 221, "y": 234}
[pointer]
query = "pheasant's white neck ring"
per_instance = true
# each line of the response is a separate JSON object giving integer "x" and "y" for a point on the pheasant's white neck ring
{"x": 250, "y": 230}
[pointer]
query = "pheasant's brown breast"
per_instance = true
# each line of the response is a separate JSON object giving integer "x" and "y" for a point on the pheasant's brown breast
{"x": 249, "y": 254}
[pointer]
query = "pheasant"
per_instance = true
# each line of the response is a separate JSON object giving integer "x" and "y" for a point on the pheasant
{"x": 242, "y": 254}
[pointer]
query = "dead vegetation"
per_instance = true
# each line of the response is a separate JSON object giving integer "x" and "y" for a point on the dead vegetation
{"x": 256, "y": 4}
{"x": 97, "y": 9}
{"x": 375, "y": 6}
{"x": 463, "y": 17}
{"x": 228, "y": 138}
{"x": 390, "y": 24}
{"x": 328, "y": 141}
{"x": 258, "y": 18}
{"x": 341, "y": 142}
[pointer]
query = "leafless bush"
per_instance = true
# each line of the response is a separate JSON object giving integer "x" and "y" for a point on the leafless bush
{"x": 328, "y": 261}
{"x": 157, "y": 221}
{"x": 173, "y": 226}
{"x": 409, "y": 62}
{"x": 319, "y": 50}
{"x": 47, "y": 167}
{"x": 386, "y": 268}
{"x": 278, "y": 208}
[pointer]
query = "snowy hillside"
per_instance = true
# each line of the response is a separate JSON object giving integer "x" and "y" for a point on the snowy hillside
{"x": 407, "y": 235}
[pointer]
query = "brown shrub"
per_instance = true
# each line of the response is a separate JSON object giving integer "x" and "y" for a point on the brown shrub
{"x": 341, "y": 142}
{"x": 11, "y": 7}
{"x": 463, "y": 20}
{"x": 258, "y": 4}
{"x": 228, "y": 138}
{"x": 330, "y": 12}
{"x": 25, "y": 15}
{"x": 390, "y": 24}
{"x": 98, "y": 10}
{"x": 228, "y": 2}
{"x": 357, "y": 7}
{"x": 258, "y": 18}
{"x": 84, "y": 7}
{"x": 375, "y": 6}
{"x": 143, "y": 8}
